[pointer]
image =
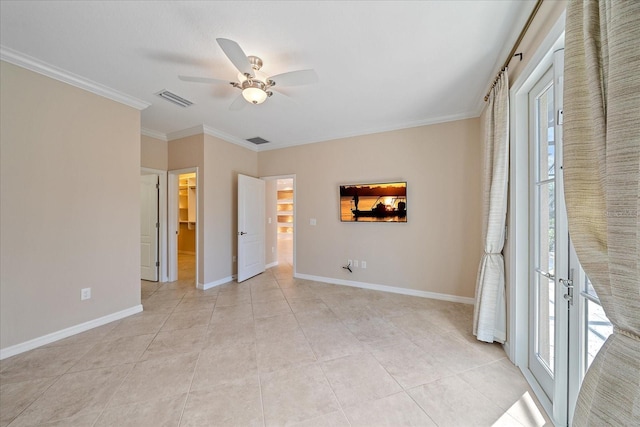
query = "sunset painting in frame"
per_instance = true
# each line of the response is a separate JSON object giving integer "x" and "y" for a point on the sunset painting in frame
{"x": 386, "y": 202}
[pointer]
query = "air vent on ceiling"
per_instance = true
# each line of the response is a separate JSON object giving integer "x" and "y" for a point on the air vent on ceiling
{"x": 172, "y": 97}
{"x": 257, "y": 140}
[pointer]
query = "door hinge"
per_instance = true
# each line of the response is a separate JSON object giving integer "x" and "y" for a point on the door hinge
{"x": 157, "y": 186}
{"x": 157, "y": 225}
{"x": 157, "y": 263}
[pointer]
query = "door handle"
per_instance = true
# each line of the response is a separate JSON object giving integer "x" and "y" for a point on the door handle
{"x": 568, "y": 284}
{"x": 241, "y": 233}
{"x": 545, "y": 274}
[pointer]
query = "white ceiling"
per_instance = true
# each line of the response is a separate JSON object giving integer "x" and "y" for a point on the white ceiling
{"x": 382, "y": 65}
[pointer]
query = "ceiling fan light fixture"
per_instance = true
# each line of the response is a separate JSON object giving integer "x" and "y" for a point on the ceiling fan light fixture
{"x": 253, "y": 83}
{"x": 255, "y": 89}
{"x": 254, "y": 94}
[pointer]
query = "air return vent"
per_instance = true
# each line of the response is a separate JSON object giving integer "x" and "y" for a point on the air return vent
{"x": 257, "y": 140}
{"x": 172, "y": 97}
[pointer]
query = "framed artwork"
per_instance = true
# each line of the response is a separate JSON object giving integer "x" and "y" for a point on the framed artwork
{"x": 377, "y": 202}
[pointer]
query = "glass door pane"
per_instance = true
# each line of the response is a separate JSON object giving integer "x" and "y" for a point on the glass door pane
{"x": 542, "y": 361}
{"x": 597, "y": 327}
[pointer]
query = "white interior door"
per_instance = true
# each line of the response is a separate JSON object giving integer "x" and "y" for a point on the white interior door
{"x": 149, "y": 227}
{"x": 251, "y": 234}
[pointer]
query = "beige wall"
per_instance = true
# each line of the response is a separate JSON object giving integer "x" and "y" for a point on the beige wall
{"x": 154, "y": 153}
{"x": 218, "y": 164}
{"x": 223, "y": 163}
{"x": 70, "y": 211}
{"x": 438, "y": 250}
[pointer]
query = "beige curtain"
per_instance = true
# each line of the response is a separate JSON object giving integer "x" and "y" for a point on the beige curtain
{"x": 489, "y": 317}
{"x": 602, "y": 175}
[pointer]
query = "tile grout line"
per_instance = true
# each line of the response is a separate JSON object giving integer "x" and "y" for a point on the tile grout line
{"x": 255, "y": 348}
{"x": 134, "y": 363}
{"x": 320, "y": 363}
{"x": 188, "y": 393}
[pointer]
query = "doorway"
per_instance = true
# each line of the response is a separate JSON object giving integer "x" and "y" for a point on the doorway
{"x": 187, "y": 194}
{"x": 285, "y": 214}
{"x": 280, "y": 236}
{"x": 183, "y": 225}
{"x": 557, "y": 323}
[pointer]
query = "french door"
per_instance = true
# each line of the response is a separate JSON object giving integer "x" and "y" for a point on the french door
{"x": 566, "y": 323}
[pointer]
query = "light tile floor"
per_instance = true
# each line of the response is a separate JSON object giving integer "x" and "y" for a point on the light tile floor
{"x": 271, "y": 351}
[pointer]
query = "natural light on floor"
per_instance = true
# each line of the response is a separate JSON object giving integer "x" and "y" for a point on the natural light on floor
{"x": 525, "y": 411}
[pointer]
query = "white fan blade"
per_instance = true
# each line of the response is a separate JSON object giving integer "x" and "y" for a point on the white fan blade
{"x": 236, "y": 55}
{"x": 238, "y": 104}
{"x": 295, "y": 78}
{"x": 203, "y": 80}
{"x": 283, "y": 99}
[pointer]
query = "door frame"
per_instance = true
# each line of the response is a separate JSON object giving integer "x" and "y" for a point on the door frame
{"x": 172, "y": 222}
{"x": 162, "y": 219}
{"x": 295, "y": 215}
{"x": 517, "y": 245}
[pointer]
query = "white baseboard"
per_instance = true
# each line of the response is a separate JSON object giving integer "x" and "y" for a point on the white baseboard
{"x": 273, "y": 264}
{"x": 385, "y": 288}
{"x": 205, "y": 286}
{"x": 67, "y": 332}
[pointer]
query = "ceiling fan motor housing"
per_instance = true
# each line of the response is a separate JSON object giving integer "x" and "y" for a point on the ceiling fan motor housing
{"x": 256, "y": 63}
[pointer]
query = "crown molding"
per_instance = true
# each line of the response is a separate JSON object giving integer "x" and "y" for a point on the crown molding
{"x": 370, "y": 131}
{"x": 154, "y": 134}
{"x": 196, "y": 130}
{"x": 30, "y": 63}
{"x": 207, "y": 130}
{"x": 229, "y": 138}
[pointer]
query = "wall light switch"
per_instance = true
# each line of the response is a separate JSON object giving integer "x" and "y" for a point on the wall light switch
{"x": 355, "y": 263}
{"x": 363, "y": 264}
{"x": 312, "y": 221}
{"x": 269, "y": 220}
{"x": 85, "y": 293}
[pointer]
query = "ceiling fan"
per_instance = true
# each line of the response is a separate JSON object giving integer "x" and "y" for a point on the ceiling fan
{"x": 255, "y": 85}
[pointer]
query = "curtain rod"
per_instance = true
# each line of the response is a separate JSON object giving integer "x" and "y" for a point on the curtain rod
{"x": 515, "y": 46}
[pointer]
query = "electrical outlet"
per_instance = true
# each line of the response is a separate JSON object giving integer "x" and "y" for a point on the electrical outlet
{"x": 85, "y": 293}
{"x": 363, "y": 264}
{"x": 355, "y": 263}
{"x": 269, "y": 220}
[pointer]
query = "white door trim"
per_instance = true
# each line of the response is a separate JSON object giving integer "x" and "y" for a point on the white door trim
{"x": 172, "y": 220}
{"x": 517, "y": 346}
{"x": 518, "y": 219}
{"x": 162, "y": 219}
